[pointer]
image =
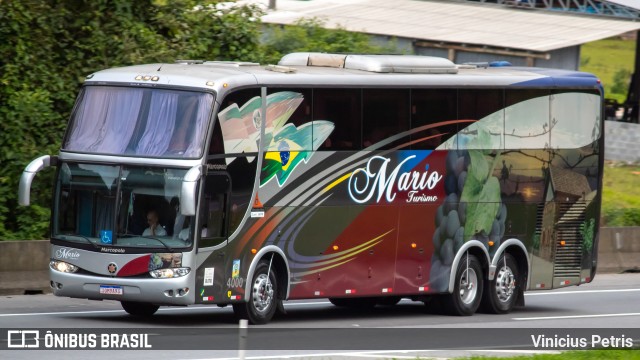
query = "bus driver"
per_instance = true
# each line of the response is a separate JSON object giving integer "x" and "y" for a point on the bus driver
{"x": 154, "y": 229}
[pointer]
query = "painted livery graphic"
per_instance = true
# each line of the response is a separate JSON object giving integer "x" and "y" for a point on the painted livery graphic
{"x": 285, "y": 144}
{"x": 363, "y": 210}
{"x": 344, "y": 183}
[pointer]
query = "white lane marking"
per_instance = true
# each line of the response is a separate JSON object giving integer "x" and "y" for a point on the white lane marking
{"x": 308, "y": 303}
{"x": 576, "y": 316}
{"x": 300, "y": 304}
{"x": 296, "y": 356}
{"x": 387, "y": 353}
{"x": 110, "y": 311}
{"x": 181, "y": 308}
{"x": 63, "y": 313}
{"x": 579, "y": 292}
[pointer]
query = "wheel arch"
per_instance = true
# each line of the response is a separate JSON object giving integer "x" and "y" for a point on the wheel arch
{"x": 280, "y": 264}
{"x": 476, "y": 248}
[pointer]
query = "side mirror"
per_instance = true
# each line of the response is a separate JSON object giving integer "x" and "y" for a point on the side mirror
{"x": 24, "y": 189}
{"x": 189, "y": 190}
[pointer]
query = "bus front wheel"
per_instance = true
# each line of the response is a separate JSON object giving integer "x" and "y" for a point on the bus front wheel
{"x": 501, "y": 293}
{"x": 467, "y": 290}
{"x": 139, "y": 308}
{"x": 263, "y": 301}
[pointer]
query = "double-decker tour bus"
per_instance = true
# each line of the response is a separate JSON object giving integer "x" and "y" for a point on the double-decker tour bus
{"x": 363, "y": 179}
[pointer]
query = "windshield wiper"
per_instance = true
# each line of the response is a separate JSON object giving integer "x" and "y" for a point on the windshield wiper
{"x": 158, "y": 240}
{"x": 81, "y": 237}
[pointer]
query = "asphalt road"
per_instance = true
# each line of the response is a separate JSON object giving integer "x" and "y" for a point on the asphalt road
{"x": 609, "y": 306}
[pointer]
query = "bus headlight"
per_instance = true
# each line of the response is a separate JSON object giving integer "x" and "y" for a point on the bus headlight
{"x": 169, "y": 273}
{"x": 62, "y": 266}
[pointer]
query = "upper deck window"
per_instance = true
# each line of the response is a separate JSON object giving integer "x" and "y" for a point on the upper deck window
{"x": 139, "y": 122}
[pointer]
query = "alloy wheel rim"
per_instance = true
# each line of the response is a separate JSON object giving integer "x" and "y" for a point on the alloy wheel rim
{"x": 262, "y": 293}
{"x": 505, "y": 284}
{"x": 468, "y": 286}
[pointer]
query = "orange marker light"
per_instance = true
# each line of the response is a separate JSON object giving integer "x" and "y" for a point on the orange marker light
{"x": 562, "y": 243}
{"x": 254, "y": 251}
{"x": 490, "y": 243}
{"x": 225, "y": 85}
{"x": 414, "y": 245}
{"x": 335, "y": 247}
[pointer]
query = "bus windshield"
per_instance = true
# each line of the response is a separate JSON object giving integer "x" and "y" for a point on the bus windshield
{"x": 139, "y": 122}
{"x": 124, "y": 206}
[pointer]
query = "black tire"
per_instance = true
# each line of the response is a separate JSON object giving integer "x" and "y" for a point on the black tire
{"x": 467, "y": 289}
{"x": 354, "y": 303}
{"x": 263, "y": 301}
{"x": 501, "y": 294}
{"x": 139, "y": 308}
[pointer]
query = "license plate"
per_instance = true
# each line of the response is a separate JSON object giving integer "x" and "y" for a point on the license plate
{"x": 111, "y": 290}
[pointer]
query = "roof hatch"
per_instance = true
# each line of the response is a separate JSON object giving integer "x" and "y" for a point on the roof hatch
{"x": 373, "y": 63}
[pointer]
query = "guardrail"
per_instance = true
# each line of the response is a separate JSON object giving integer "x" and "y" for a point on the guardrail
{"x": 619, "y": 249}
{"x": 24, "y": 264}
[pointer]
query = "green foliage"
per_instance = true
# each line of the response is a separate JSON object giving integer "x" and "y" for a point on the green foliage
{"x": 621, "y": 82}
{"x": 605, "y": 58}
{"x": 48, "y": 47}
{"x": 621, "y": 216}
{"x": 621, "y": 196}
{"x": 482, "y": 195}
{"x": 587, "y": 230}
{"x": 536, "y": 241}
{"x": 588, "y": 354}
{"x": 309, "y": 35}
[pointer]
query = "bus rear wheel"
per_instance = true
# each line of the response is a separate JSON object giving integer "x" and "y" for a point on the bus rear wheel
{"x": 467, "y": 290}
{"x": 139, "y": 309}
{"x": 501, "y": 293}
{"x": 263, "y": 301}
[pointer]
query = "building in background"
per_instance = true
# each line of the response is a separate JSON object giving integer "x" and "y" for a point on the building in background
{"x": 520, "y": 32}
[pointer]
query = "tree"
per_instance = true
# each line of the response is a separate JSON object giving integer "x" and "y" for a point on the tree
{"x": 309, "y": 35}
{"x": 48, "y": 48}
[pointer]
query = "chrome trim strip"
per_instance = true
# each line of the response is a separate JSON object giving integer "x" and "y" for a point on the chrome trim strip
{"x": 127, "y": 160}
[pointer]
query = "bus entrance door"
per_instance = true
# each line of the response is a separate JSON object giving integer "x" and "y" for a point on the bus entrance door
{"x": 214, "y": 222}
{"x": 213, "y": 227}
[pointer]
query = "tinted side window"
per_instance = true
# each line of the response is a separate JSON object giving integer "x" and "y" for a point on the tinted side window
{"x": 432, "y": 111}
{"x": 289, "y": 120}
{"x": 216, "y": 145}
{"x": 342, "y": 107}
{"x": 575, "y": 118}
{"x": 486, "y": 108}
{"x": 385, "y": 115}
{"x": 239, "y": 118}
{"x": 526, "y": 119}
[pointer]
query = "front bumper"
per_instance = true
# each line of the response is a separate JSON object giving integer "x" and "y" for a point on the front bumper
{"x": 155, "y": 291}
